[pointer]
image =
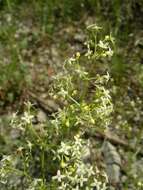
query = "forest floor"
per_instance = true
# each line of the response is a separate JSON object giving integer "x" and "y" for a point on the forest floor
{"x": 41, "y": 55}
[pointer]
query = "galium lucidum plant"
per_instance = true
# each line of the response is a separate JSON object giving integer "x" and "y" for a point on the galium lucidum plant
{"x": 52, "y": 157}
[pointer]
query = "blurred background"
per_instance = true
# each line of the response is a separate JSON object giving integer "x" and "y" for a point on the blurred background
{"x": 37, "y": 36}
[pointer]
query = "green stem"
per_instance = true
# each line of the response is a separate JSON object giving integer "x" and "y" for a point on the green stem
{"x": 25, "y": 170}
{"x": 43, "y": 164}
{"x": 95, "y": 43}
{"x": 33, "y": 132}
{"x": 9, "y": 5}
{"x": 73, "y": 100}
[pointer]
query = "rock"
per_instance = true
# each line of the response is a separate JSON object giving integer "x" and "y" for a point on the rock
{"x": 52, "y": 105}
{"x": 41, "y": 116}
{"x": 113, "y": 172}
{"x": 79, "y": 38}
{"x": 113, "y": 163}
{"x": 137, "y": 169}
{"x": 111, "y": 155}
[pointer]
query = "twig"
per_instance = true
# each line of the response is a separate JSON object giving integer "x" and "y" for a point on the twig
{"x": 49, "y": 106}
{"x": 114, "y": 139}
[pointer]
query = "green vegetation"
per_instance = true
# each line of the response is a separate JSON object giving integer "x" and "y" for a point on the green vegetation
{"x": 58, "y": 112}
{"x": 57, "y": 151}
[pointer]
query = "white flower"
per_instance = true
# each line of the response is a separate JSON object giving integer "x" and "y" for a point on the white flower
{"x": 27, "y": 118}
{"x": 58, "y": 177}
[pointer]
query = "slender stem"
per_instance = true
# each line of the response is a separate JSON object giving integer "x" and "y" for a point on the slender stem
{"x": 95, "y": 43}
{"x": 43, "y": 164}
{"x": 33, "y": 132}
{"x": 9, "y": 5}
{"x": 73, "y": 100}
{"x": 25, "y": 169}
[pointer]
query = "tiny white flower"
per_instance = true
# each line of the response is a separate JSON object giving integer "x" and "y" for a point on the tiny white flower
{"x": 27, "y": 118}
